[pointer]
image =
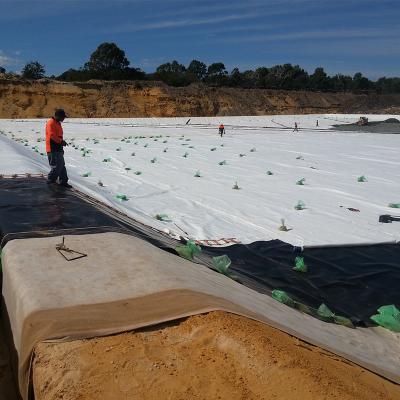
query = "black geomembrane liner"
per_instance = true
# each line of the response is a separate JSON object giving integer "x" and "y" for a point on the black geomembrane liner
{"x": 353, "y": 281}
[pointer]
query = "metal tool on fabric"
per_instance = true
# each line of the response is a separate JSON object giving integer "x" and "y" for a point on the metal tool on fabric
{"x": 65, "y": 251}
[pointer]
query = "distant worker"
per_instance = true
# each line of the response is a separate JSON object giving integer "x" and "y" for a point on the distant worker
{"x": 296, "y": 128}
{"x": 55, "y": 144}
{"x": 317, "y": 124}
{"x": 221, "y": 129}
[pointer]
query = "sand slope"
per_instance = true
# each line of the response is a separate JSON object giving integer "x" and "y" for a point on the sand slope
{"x": 32, "y": 99}
{"x": 212, "y": 356}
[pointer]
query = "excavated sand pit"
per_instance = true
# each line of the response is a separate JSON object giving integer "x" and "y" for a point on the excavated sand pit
{"x": 211, "y": 356}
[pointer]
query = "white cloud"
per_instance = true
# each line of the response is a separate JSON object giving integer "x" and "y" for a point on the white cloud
{"x": 316, "y": 34}
{"x": 179, "y": 23}
{"x": 7, "y": 60}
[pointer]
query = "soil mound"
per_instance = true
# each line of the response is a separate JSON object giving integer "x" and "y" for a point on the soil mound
{"x": 390, "y": 125}
{"x": 391, "y": 121}
{"x": 211, "y": 356}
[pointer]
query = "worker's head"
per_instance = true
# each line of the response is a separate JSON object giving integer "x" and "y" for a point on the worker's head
{"x": 60, "y": 115}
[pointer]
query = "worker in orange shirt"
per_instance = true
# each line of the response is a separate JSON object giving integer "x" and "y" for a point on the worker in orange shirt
{"x": 55, "y": 144}
{"x": 221, "y": 129}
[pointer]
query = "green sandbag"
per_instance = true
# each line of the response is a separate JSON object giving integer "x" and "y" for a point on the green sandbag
{"x": 362, "y": 178}
{"x": 300, "y": 205}
{"x": 222, "y": 162}
{"x": 337, "y": 319}
{"x": 122, "y": 197}
{"x": 270, "y": 173}
{"x": 388, "y": 317}
{"x": 197, "y": 174}
{"x": 86, "y": 174}
{"x": 162, "y": 217}
{"x": 193, "y": 246}
{"x": 325, "y": 313}
{"x": 300, "y": 265}
{"x": 301, "y": 181}
{"x": 283, "y": 297}
{"x": 221, "y": 263}
{"x": 394, "y": 205}
{"x": 188, "y": 250}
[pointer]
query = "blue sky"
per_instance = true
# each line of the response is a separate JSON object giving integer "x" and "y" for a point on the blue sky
{"x": 344, "y": 36}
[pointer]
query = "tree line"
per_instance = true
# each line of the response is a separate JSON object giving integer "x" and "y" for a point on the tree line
{"x": 109, "y": 62}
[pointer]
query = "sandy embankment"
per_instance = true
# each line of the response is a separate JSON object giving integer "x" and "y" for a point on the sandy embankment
{"x": 211, "y": 356}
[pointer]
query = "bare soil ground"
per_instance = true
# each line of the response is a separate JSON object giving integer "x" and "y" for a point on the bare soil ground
{"x": 210, "y": 356}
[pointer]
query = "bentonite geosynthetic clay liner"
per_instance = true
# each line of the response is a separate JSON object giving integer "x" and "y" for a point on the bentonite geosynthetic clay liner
{"x": 126, "y": 282}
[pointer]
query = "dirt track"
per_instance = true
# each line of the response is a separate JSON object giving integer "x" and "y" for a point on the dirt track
{"x": 212, "y": 356}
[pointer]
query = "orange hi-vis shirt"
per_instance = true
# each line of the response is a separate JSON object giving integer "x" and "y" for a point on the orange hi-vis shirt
{"x": 54, "y": 133}
{"x": 221, "y": 126}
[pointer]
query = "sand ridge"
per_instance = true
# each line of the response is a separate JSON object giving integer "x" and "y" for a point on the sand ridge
{"x": 211, "y": 356}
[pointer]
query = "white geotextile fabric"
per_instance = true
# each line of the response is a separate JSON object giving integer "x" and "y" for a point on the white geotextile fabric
{"x": 126, "y": 283}
{"x": 208, "y": 207}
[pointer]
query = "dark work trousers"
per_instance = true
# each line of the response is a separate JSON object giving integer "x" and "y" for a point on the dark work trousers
{"x": 57, "y": 164}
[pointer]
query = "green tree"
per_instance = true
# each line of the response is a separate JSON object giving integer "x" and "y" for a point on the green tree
{"x": 319, "y": 80}
{"x": 106, "y": 58}
{"x": 33, "y": 70}
{"x": 75, "y": 75}
{"x": 173, "y": 67}
{"x": 261, "y": 77}
{"x": 360, "y": 82}
{"x": 236, "y": 78}
{"x": 217, "y": 74}
{"x": 198, "y": 69}
{"x": 341, "y": 83}
{"x": 388, "y": 85}
{"x": 216, "y": 69}
{"x": 174, "y": 74}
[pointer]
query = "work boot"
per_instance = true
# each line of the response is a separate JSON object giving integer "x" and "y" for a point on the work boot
{"x": 66, "y": 185}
